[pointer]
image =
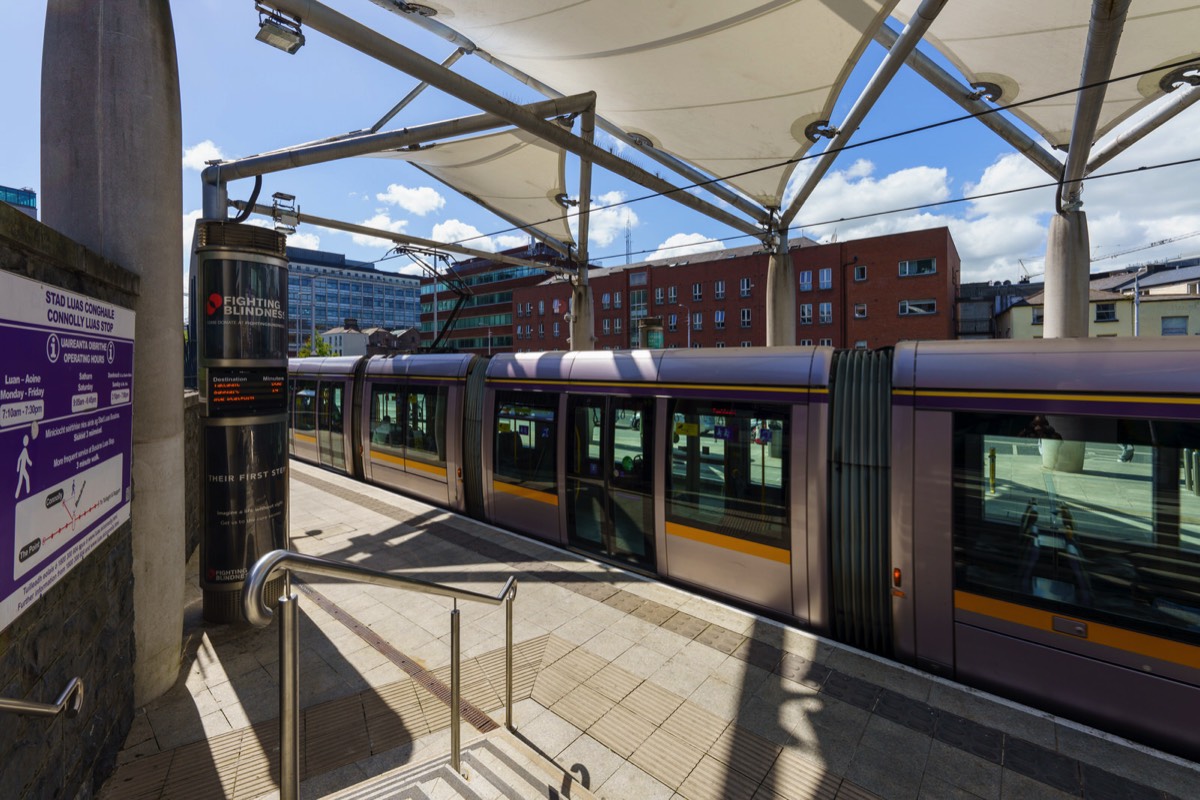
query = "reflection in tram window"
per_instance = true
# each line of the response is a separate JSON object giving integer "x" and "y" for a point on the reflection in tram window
{"x": 330, "y": 441}
{"x": 525, "y": 451}
{"x": 729, "y": 469}
{"x": 425, "y": 427}
{"x": 385, "y": 422}
{"x": 1098, "y": 518}
{"x": 304, "y": 405}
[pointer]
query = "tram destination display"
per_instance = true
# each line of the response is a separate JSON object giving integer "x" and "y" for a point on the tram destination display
{"x": 66, "y": 433}
{"x": 239, "y": 391}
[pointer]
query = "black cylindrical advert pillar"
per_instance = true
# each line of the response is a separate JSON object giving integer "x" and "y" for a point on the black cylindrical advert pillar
{"x": 240, "y": 308}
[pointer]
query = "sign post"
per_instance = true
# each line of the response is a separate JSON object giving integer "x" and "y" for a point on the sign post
{"x": 240, "y": 310}
{"x": 66, "y": 433}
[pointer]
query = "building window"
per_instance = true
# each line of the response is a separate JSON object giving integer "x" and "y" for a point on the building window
{"x": 541, "y": 308}
{"x": 658, "y": 296}
{"x": 744, "y": 287}
{"x": 746, "y": 343}
{"x": 698, "y": 321}
{"x": 826, "y": 311}
{"x": 556, "y": 306}
{"x": 1174, "y": 326}
{"x": 860, "y": 310}
{"x": 861, "y": 344}
{"x": 617, "y": 325}
{"x": 672, "y": 295}
{"x": 910, "y": 308}
{"x": 1106, "y": 312}
{"x": 637, "y": 279}
{"x": 541, "y": 331}
{"x": 617, "y": 300}
{"x": 520, "y": 310}
{"x": 719, "y": 320}
{"x": 827, "y": 343}
{"x": 529, "y": 331}
{"x": 860, "y": 272}
{"x": 518, "y": 331}
{"x": 673, "y": 322}
{"x": 806, "y": 342}
{"x": 806, "y": 313}
{"x": 605, "y": 327}
{"x": 720, "y": 345}
{"x": 697, "y": 292}
{"x": 806, "y": 280}
{"x": 1039, "y": 314}
{"x": 719, "y": 290}
{"x": 922, "y": 266}
{"x": 605, "y": 301}
{"x": 557, "y": 330}
{"x": 826, "y": 278}
{"x": 695, "y": 345}
{"x": 745, "y": 318}
{"x": 529, "y": 309}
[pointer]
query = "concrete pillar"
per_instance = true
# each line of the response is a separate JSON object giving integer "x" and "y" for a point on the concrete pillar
{"x": 583, "y": 321}
{"x": 781, "y": 297}
{"x": 1068, "y": 264}
{"x": 111, "y": 145}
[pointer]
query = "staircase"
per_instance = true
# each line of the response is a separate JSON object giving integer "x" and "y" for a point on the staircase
{"x": 496, "y": 765}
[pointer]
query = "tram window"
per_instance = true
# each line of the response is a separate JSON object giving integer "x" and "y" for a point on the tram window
{"x": 386, "y": 422}
{"x": 329, "y": 407}
{"x": 525, "y": 444}
{"x": 729, "y": 469}
{"x": 304, "y": 405}
{"x": 1095, "y": 517}
{"x": 426, "y": 426}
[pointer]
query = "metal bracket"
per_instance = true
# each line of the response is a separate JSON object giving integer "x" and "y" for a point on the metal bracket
{"x": 1188, "y": 74}
{"x": 986, "y": 90}
{"x": 818, "y": 129}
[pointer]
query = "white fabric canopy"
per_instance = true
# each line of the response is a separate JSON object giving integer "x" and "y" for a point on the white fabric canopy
{"x": 513, "y": 173}
{"x": 1032, "y": 48}
{"x": 729, "y": 86}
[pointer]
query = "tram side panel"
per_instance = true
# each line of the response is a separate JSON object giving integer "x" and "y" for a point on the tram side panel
{"x": 1061, "y": 541}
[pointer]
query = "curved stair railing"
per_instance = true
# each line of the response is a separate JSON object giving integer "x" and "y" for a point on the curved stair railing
{"x": 258, "y": 612}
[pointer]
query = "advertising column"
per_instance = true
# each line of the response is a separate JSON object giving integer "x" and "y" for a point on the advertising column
{"x": 66, "y": 433}
{"x": 241, "y": 313}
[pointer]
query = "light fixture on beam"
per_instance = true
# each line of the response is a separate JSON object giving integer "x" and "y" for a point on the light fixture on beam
{"x": 285, "y": 212}
{"x": 279, "y": 31}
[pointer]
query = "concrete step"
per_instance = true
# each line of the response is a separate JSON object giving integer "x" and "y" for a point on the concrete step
{"x": 495, "y": 766}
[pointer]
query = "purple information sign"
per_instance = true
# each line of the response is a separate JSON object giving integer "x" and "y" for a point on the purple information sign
{"x": 66, "y": 433}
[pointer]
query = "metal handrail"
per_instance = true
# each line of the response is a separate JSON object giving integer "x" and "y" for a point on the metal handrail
{"x": 70, "y": 701}
{"x": 259, "y": 613}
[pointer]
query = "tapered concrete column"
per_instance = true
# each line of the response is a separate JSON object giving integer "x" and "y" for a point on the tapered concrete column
{"x": 583, "y": 321}
{"x": 111, "y": 145}
{"x": 1068, "y": 264}
{"x": 781, "y": 297}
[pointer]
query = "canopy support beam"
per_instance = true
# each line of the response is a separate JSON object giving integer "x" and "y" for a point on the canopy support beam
{"x": 353, "y": 34}
{"x": 1068, "y": 257}
{"x": 967, "y": 99}
{"x": 215, "y": 178}
{"x": 583, "y": 322}
{"x": 781, "y": 293}
{"x": 400, "y": 238}
{"x": 415, "y": 93}
{"x": 905, "y": 44}
{"x": 1181, "y": 99}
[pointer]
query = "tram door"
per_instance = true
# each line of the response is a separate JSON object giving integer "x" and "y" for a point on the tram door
{"x": 330, "y": 440}
{"x": 610, "y": 497}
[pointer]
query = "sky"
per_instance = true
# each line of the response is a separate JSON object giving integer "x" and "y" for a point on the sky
{"x": 240, "y": 97}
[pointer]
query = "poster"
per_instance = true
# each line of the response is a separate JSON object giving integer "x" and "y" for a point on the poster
{"x": 66, "y": 433}
{"x": 245, "y": 498}
{"x": 244, "y": 311}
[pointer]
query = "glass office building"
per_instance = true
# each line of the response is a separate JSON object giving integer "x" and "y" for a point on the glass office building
{"x": 325, "y": 289}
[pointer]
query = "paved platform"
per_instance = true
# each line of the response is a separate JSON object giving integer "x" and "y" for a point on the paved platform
{"x": 637, "y": 689}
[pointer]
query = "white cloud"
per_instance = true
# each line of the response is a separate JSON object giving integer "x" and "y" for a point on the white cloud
{"x": 508, "y": 241}
{"x": 606, "y": 224}
{"x": 381, "y": 221}
{"x": 309, "y": 241}
{"x": 419, "y": 201}
{"x": 459, "y": 232}
{"x": 682, "y": 244}
{"x": 197, "y": 156}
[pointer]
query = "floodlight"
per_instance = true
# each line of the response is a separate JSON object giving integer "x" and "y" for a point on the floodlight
{"x": 285, "y": 212}
{"x": 279, "y": 32}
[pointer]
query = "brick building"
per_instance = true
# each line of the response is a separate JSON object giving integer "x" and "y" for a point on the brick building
{"x": 869, "y": 292}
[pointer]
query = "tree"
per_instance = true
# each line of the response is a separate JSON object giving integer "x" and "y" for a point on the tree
{"x": 319, "y": 349}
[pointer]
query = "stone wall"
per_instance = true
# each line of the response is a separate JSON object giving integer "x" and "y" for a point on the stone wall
{"x": 83, "y": 626}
